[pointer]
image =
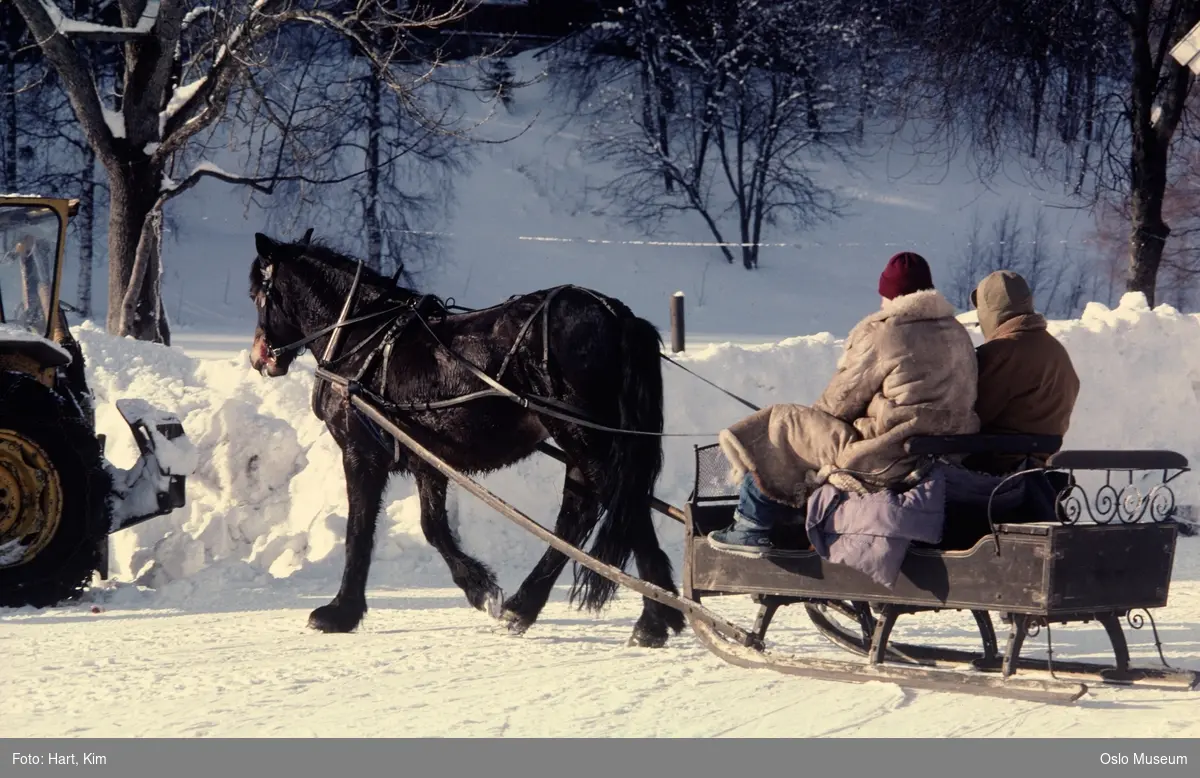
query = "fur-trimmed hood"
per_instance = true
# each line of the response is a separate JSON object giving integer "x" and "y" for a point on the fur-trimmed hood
{"x": 918, "y": 306}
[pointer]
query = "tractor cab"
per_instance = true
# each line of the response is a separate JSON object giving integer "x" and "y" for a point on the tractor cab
{"x": 32, "y": 238}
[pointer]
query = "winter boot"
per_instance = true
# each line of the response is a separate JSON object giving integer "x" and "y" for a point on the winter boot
{"x": 744, "y": 538}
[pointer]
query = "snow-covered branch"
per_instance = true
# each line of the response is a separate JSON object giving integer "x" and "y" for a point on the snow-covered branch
{"x": 262, "y": 184}
{"x": 74, "y": 28}
{"x": 196, "y": 105}
{"x": 43, "y": 19}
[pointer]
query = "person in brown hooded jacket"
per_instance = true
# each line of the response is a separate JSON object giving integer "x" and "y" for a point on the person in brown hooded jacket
{"x": 1027, "y": 384}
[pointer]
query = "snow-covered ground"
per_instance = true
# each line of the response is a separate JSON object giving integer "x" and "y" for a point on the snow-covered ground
{"x": 202, "y": 631}
{"x": 426, "y": 665}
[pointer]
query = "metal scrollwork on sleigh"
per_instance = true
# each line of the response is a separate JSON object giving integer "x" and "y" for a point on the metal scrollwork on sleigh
{"x": 1113, "y": 502}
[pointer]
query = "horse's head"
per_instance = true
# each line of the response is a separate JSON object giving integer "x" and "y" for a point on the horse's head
{"x": 278, "y": 322}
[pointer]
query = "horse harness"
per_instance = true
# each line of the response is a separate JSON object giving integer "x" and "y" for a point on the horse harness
{"x": 402, "y": 316}
{"x": 410, "y": 311}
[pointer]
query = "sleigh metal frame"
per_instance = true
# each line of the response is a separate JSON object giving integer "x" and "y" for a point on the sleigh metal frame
{"x": 1107, "y": 559}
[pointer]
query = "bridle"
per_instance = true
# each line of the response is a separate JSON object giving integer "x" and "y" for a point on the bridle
{"x": 297, "y": 348}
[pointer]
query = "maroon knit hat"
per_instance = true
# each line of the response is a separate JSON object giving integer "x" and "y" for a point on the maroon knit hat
{"x": 905, "y": 273}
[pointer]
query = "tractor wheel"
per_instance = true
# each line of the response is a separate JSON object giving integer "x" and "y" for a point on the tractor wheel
{"x": 50, "y": 533}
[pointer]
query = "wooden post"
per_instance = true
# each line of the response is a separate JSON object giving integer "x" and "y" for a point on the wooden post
{"x": 677, "y": 322}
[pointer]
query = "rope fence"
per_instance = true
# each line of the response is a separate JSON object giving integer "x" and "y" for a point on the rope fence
{"x": 728, "y": 244}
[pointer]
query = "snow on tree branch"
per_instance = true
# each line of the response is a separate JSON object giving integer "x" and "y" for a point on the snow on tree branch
{"x": 263, "y": 184}
{"x": 101, "y": 32}
{"x": 43, "y": 19}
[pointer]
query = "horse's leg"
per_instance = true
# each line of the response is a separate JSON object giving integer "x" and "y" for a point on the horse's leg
{"x": 576, "y": 518}
{"x": 475, "y": 578}
{"x": 366, "y": 477}
{"x": 654, "y": 566}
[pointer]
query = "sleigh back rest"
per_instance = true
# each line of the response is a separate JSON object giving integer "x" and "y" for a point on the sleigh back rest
{"x": 1097, "y": 498}
{"x": 713, "y": 482}
{"x": 947, "y": 445}
{"x": 1100, "y": 486}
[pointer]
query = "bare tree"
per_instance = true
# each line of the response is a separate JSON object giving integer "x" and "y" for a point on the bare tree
{"x": 185, "y": 62}
{"x": 58, "y": 160}
{"x": 1058, "y": 283}
{"x": 12, "y": 30}
{"x": 395, "y": 171}
{"x": 732, "y": 113}
{"x": 1180, "y": 269}
{"x": 1088, "y": 87}
{"x": 969, "y": 267}
{"x": 44, "y": 150}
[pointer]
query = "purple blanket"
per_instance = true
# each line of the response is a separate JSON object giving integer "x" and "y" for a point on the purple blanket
{"x": 872, "y": 532}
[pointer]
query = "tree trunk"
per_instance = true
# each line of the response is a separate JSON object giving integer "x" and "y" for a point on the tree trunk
{"x": 1153, "y": 119}
{"x": 371, "y": 200}
{"x": 1068, "y": 113}
{"x": 1147, "y": 238}
{"x": 87, "y": 232}
{"x": 1039, "y": 96}
{"x": 11, "y": 129}
{"x": 864, "y": 93}
{"x": 810, "y": 96}
{"x": 654, "y": 98}
{"x": 1089, "y": 122}
{"x": 134, "y": 243}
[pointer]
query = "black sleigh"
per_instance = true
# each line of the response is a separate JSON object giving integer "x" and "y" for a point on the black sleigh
{"x": 1107, "y": 558}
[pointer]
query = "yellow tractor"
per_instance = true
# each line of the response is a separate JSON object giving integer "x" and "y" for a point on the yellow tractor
{"x": 60, "y": 499}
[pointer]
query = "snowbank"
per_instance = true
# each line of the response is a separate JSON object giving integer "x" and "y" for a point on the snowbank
{"x": 268, "y": 498}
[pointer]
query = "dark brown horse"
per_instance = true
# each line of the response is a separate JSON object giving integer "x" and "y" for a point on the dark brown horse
{"x": 581, "y": 350}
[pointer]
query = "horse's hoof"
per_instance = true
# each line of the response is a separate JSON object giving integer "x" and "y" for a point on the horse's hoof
{"x": 515, "y": 623}
{"x": 334, "y": 618}
{"x": 490, "y": 601}
{"x": 644, "y": 638}
{"x": 493, "y": 604}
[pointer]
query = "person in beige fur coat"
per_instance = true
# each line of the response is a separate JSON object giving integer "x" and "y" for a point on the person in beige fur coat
{"x": 908, "y": 369}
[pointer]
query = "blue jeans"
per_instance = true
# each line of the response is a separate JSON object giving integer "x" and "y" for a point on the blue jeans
{"x": 756, "y": 511}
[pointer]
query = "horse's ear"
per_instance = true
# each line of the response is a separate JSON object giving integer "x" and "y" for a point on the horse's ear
{"x": 267, "y": 249}
{"x": 307, "y": 237}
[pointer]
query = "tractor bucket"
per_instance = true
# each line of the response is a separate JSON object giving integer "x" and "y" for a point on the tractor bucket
{"x": 155, "y": 485}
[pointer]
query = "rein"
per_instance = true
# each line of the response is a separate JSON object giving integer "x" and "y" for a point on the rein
{"x": 746, "y": 403}
{"x": 299, "y": 345}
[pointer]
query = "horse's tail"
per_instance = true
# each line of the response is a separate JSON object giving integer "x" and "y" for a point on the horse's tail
{"x": 635, "y": 461}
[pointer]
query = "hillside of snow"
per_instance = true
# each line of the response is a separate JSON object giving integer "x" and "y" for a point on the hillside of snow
{"x": 526, "y": 215}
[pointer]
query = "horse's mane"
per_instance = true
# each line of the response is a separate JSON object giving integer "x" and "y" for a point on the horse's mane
{"x": 328, "y": 263}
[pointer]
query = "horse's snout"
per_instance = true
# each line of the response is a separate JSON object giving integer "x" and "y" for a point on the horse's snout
{"x": 262, "y": 361}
